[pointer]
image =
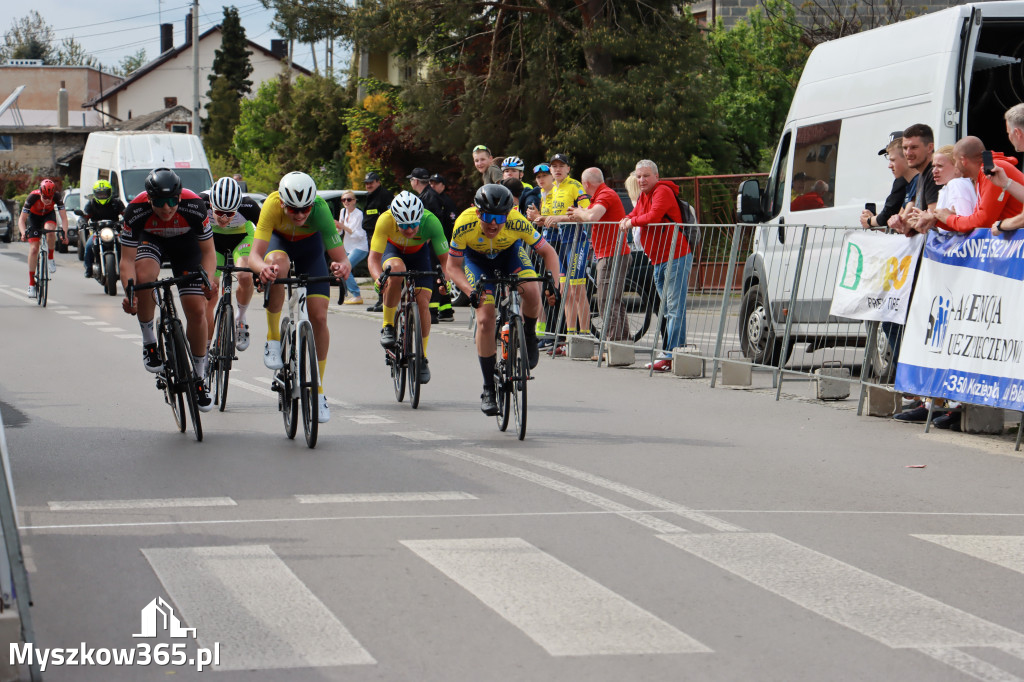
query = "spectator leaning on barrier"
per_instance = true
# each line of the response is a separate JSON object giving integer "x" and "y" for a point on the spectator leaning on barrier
{"x": 994, "y": 202}
{"x": 378, "y": 201}
{"x": 918, "y": 147}
{"x": 483, "y": 160}
{"x": 655, "y": 207}
{"x": 903, "y": 173}
{"x": 606, "y": 212}
{"x": 956, "y": 192}
{"x": 1015, "y": 131}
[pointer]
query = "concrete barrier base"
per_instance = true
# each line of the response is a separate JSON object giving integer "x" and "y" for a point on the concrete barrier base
{"x": 831, "y": 384}
{"x": 982, "y": 419}
{"x": 737, "y": 372}
{"x": 686, "y": 366}
{"x": 883, "y": 402}
{"x": 619, "y": 356}
{"x": 581, "y": 348}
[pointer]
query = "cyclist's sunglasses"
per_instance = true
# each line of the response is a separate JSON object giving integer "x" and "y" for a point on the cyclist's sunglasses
{"x": 298, "y": 211}
{"x": 224, "y": 214}
{"x": 481, "y": 148}
{"x": 496, "y": 218}
{"x": 408, "y": 226}
{"x": 541, "y": 168}
{"x": 164, "y": 201}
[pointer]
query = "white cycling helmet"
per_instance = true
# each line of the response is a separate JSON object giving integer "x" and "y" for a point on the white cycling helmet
{"x": 513, "y": 162}
{"x": 407, "y": 208}
{"x": 225, "y": 195}
{"x": 297, "y": 190}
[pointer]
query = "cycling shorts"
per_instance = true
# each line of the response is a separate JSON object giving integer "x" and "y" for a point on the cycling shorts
{"x": 513, "y": 260}
{"x": 182, "y": 252}
{"x": 307, "y": 255}
{"x": 574, "y": 254}
{"x": 414, "y": 260}
{"x": 39, "y": 222}
{"x": 225, "y": 243}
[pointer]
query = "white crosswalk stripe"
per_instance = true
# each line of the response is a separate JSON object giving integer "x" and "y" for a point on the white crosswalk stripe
{"x": 159, "y": 503}
{"x": 329, "y": 498}
{"x": 1002, "y": 550}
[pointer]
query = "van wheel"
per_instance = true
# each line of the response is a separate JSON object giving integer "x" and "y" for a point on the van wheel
{"x": 758, "y": 339}
{"x": 883, "y": 364}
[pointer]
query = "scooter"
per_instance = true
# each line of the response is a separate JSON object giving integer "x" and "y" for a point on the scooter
{"x": 108, "y": 252}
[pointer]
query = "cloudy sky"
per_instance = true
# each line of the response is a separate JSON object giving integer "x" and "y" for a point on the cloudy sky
{"x": 112, "y": 31}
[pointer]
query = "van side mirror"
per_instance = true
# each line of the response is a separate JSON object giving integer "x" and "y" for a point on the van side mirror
{"x": 748, "y": 202}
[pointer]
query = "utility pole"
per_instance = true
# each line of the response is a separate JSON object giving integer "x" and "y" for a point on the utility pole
{"x": 195, "y": 67}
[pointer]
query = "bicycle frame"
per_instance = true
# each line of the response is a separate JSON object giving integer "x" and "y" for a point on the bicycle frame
{"x": 406, "y": 357}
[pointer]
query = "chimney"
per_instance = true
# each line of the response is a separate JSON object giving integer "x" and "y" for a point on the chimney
{"x": 166, "y": 37}
{"x": 62, "y": 107}
{"x": 188, "y": 29}
{"x": 279, "y": 48}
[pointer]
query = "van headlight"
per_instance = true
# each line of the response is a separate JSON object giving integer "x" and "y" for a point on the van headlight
{"x": 107, "y": 234}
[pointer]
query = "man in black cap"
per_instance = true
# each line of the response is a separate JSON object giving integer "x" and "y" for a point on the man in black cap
{"x": 449, "y": 213}
{"x": 378, "y": 200}
{"x": 440, "y": 303}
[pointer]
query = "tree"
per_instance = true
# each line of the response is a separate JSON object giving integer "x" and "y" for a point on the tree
{"x": 29, "y": 37}
{"x": 229, "y": 82}
{"x": 131, "y": 63}
{"x": 222, "y": 114}
{"x": 823, "y": 20}
{"x": 71, "y": 53}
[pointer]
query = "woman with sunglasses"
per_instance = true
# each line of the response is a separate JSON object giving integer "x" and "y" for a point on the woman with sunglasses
{"x": 356, "y": 245}
{"x": 166, "y": 222}
{"x": 296, "y": 226}
{"x": 233, "y": 218}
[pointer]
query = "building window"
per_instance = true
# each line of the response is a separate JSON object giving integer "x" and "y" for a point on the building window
{"x": 170, "y": 102}
{"x": 180, "y": 127}
{"x": 701, "y": 19}
{"x": 6, "y": 143}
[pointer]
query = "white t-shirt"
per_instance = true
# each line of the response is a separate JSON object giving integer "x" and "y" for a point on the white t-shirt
{"x": 354, "y": 221}
{"x": 958, "y": 195}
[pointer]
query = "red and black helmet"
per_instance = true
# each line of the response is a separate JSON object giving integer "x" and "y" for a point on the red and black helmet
{"x": 47, "y": 188}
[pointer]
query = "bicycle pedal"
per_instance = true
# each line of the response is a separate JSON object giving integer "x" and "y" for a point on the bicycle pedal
{"x": 275, "y": 385}
{"x": 161, "y": 383}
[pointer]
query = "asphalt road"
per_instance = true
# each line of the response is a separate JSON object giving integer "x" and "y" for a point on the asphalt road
{"x": 648, "y": 528}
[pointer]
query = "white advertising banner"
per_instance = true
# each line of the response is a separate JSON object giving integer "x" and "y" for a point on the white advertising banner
{"x": 876, "y": 276}
{"x": 964, "y": 338}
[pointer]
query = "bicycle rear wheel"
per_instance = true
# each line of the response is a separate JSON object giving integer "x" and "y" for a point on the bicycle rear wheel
{"x": 414, "y": 352}
{"x": 309, "y": 382}
{"x": 519, "y": 365}
{"x": 502, "y": 385}
{"x": 187, "y": 378}
{"x": 399, "y": 359}
{"x": 172, "y": 396}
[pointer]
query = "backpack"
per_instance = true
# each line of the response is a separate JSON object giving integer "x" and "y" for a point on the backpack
{"x": 690, "y": 228}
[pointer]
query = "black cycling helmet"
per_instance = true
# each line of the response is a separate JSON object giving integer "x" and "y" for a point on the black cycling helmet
{"x": 494, "y": 198}
{"x": 163, "y": 183}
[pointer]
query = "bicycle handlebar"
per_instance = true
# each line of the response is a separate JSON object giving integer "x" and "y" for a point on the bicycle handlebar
{"x": 167, "y": 282}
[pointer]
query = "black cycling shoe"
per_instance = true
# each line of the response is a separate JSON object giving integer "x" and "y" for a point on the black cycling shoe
{"x": 446, "y": 315}
{"x": 424, "y": 373}
{"x": 151, "y": 359}
{"x": 377, "y": 307}
{"x": 532, "y": 350}
{"x": 488, "y": 403}
{"x": 203, "y": 399}
{"x": 388, "y": 339}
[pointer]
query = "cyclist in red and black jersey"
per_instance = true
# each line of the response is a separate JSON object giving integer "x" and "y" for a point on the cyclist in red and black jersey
{"x": 40, "y": 213}
{"x": 167, "y": 222}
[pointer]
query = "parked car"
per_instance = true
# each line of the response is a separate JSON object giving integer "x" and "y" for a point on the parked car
{"x": 72, "y": 200}
{"x": 7, "y": 225}
{"x": 258, "y": 197}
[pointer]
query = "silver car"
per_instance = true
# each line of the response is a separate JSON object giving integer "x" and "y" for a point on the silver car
{"x": 7, "y": 225}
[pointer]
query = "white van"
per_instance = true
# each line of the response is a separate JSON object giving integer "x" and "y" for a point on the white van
{"x": 126, "y": 158}
{"x": 956, "y": 70}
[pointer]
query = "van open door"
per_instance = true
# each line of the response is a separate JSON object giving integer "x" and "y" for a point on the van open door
{"x": 969, "y": 30}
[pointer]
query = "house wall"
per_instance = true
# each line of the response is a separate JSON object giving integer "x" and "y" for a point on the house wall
{"x": 38, "y": 102}
{"x": 38, "y": 149}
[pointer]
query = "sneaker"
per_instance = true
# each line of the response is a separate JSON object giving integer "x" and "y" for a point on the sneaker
{"x": 532, "y": 350}
{"x": 488, "y": 403}
{"x": 53, "y": 265}
{"x": 358, "y": 300}
{"x": 662, "y": 365}
{"x": 918, "y": 415}
{"x": 561, "y": 351}
{"x": 323, "y": 414}
{"x": 388, "y": 339}
{"x": 31, "y": 291}
{"x": 376, "y": 308}
{"x": 446, "y": 315}
{"x": 272, "y": 355}
{"x": 950, "y": 420}
{"x": 242, "y": 336}
{"x": 151, "y": 359}
{"x": 424, "y": 372}
{"x": 203, "y": 399}
{"x": 546, "y": 342}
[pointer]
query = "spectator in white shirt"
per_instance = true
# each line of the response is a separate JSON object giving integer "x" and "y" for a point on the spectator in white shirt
{"x": 356, "y": 246}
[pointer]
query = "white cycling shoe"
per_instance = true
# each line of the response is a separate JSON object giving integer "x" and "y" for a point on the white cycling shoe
{"x": 324, "y": 412}
{"x": 272, "y": 355}
{"x": 53, "y": 265}
{"x": 31, "y": 291}
{"x": 241, "y": 336}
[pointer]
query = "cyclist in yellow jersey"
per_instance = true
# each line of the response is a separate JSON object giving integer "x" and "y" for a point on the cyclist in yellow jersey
{"x": 297, "y": 226}
{"x": 491, "y": 237}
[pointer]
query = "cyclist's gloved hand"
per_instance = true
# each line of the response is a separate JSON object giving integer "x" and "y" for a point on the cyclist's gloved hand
{"x": 474, "y": 299}
{"x": 128, "y": 302}
{"x": 268, "y": 274}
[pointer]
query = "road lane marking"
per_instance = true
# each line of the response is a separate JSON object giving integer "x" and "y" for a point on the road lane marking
{"x": 1002, "y": 550}
{"x": 79, "y": 318}
{"x": 127, "y": 336}
{"x": 165, "y": 503}
{"x": 67, "y": 312}
{"x": 969, "y": 665}
{"x": 384, "y": 497}
{"x": 94, "y": 323}
{"x": 420, "y": 435}
{"x": 642, "y": 518}
{"x": 877, "y": 608}
{"x": 111, "y": 329}
{"x": 254, "y": 389}
{"x": 248, "y": 600}
{"x": 268, "y": 381}
{"x": 369, "y": 419}
{"x": 622, "y": 489}
{"x": 559, "y": 608}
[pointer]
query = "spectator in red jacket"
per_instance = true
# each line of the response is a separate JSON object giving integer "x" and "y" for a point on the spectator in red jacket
{"x": 657, "y": 214}
{"x": 994, "y": 203}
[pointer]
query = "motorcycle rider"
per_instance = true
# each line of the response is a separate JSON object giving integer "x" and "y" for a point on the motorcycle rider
{"x": 102, "y": 206}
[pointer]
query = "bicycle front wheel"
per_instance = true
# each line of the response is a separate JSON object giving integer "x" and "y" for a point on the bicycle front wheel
{"x": 42, "y": 276}
{"x": 413, "y": 350}
{"x": 172, "y": 396}
{"x": 224, "y": 350}
{"x": 309, "y": 383}
{"x": 399, "y": 359}
{"x": 519, "y": 365}
{"x": 187, "y": 378}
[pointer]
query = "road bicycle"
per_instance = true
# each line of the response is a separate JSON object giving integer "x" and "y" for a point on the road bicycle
{"x": 42, "y": 268}
{"x": 512, "y": 368}
{"x": 406, "y": 358}
{"x": 222, "y": 346}
{"x": 178, "y": 378}
{"x": 297, "y": 383}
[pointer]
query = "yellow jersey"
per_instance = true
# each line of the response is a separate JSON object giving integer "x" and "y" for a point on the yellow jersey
{"x": 569, "y": 193}
{"x": 468, "y": 234}
{"x": 273, "y": 220}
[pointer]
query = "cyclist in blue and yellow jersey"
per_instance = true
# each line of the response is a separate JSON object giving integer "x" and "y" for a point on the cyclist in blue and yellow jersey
{"x": 233, "y": 218}
{"x": 491, "y": 237}
{"x": 399, "y": 243}
{"x": 296, "y": 226}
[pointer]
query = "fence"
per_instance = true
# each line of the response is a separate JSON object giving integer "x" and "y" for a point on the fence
{"x": 771, "y": 310}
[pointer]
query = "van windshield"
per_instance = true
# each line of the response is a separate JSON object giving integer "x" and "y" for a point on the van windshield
{"x": 196, "y": 179}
